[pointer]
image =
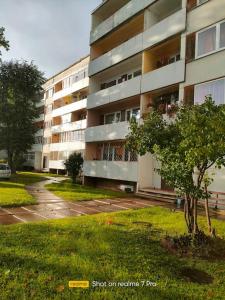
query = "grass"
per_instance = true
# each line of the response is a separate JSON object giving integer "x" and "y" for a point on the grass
{"x": 13, "y": 193}
{"x": 71, "y": 192}
{"x": 38, "y": 259}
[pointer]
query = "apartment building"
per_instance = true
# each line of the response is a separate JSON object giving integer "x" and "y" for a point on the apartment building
{"x": 145, "y": 54}
{"x": 64, "y": 122}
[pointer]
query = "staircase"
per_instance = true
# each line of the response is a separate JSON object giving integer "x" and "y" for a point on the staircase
{"x": 157, "y": 194}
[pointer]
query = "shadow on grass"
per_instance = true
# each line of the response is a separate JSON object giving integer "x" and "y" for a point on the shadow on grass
{"x": 92, "y": 251}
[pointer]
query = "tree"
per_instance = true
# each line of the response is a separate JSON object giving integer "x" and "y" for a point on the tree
{"x": 74, "y": 165}
{"x": 186, "y": 148}
{"x": 3, "y": 42}
{"x": 20, "y": 91}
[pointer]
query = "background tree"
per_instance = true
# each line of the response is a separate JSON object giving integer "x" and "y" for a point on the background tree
{"x": 3, "y": 42}
{"x": 186, "y": 149}
{"x": 20, "y": 91}
{"x": 74, "y": 165}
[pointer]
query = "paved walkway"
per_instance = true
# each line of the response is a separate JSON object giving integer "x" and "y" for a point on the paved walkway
{"x": 50, "y": 206}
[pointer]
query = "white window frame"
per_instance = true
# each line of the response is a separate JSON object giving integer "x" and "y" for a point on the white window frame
{"x": 198, "y": 2}
{"x": 207, "y": 82}
{"x": 131, "y": 110}
{"x": 218, "y": 48}
{"x": 116, "y": 112}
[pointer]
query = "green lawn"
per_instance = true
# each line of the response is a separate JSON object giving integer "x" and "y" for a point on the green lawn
{"x": 71, "y": 192}
{"x": 13, "y": 193}
{"x": 38, "y": 259}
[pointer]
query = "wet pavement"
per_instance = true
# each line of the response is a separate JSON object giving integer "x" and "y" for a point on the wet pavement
{"x": 50, "y": 206}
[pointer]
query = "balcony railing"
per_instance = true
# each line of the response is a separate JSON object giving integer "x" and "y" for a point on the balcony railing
{"x": 107, "y": 132}
{"x": 162, "y": 77}
{"x": 81, "y": 124}
{"x": 119, "y": 170}
{"x": 69, "y": 108}
{"x": 120, "y": 91}
{"x": 71, "y": 89}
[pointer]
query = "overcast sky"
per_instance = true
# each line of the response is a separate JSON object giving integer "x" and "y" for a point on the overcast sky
{"x": 52, "y": 33}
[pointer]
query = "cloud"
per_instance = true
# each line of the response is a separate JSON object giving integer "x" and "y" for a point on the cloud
{"x": 52, "y": 33}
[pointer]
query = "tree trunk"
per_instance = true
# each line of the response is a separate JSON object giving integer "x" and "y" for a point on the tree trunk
{"x": 187, "y": 214}
{"x": 207, "y": 212}
{"x": 11, "y": 162}
{"x": 195, "y": 217}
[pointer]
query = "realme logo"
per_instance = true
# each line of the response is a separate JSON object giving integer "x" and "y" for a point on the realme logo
{"x": 79, "y": 284}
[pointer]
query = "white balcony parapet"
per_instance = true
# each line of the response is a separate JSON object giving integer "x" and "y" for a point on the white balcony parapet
{"x": 73, "y": 88}
{"x": 68, "y": 146}
{"x": 120, "y": 170}
{"x": 174, "y": 24}
{"x": 120, "y": 91}
{"x": 116, "y": 55}
{"x": 56, "y": 164}
{"x": 108, "y": 132}
{"x": 82, "y": 124}
{"x": 37, "y": 147}
{"x": 164, "y": 29}
{"x": 66, "y": 109}
{"x": 165, "y": 76}
{"x": 40, "y": 118}
{"x": 120, "y": 16}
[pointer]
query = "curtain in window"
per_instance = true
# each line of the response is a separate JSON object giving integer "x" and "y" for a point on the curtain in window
{"x": 214, "y": 88}
{"x": 207, "y": 41}
{"x": 222, "y": 35}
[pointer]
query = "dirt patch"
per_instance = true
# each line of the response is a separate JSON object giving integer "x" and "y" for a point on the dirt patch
{"x": 196, "y": 276}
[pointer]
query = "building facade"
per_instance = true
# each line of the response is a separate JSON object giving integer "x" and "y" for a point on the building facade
{"x": 64, "y": 118}
{"x": 145, "y": 54}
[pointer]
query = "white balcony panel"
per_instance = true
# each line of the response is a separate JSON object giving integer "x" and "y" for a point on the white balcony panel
{"x": 37, "y": 147}
{"x": 69, "y": 146}
{"x": 40, "y": 132}
{"x": 69, "y": 108}
{"x": 168, "y": 27}
{"x": 118, "y": 92}
{"x": 56, "y": 164}
{"x": 41, "y": 103}
{"x": 70, "y": 126}
{"x": 40, "y": 118}
{"x": 109, "y": 132}
{"x": 75, "y": 87}
{"x": 116, "y": 55}
{"x": 119, "y": 170}
{"x": 123, "y": 14}
{"x": 102, "y": 29}
{"x": 165, "y": 76}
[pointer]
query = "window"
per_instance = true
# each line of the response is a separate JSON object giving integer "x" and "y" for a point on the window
{"x": 133, "y": 113}
{"x": 202, "y": 1}
{"x": 222, "y": 35}
{"x": 210, "y": 40}
{"x": 207, "y": 41}
{"x": 215, "y": 88}
{"x": 109, "y": 118}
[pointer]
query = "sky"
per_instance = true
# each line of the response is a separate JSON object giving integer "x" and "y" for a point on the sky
{"x": 52, "y": 33}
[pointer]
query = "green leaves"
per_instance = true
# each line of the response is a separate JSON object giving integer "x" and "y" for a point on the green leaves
{"x": 20, "y": 91}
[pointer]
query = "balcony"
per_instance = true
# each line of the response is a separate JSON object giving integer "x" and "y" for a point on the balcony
{"x": 174, "y": 24}
{"x": 56, "y": 164}
{"x": 68, "y": 146}
{"x": 165, "y": 76}
{"x": 73, "y": 88}
{"x": 69, "y": 108}
{"x": 81, "y": 124}
{"x": 116, "y": 55}
{"x": 119, "y": 17}
{"x": 119, "y": 170}
{"x": 118, "y": 92}
{"x": 108, "y": 132}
